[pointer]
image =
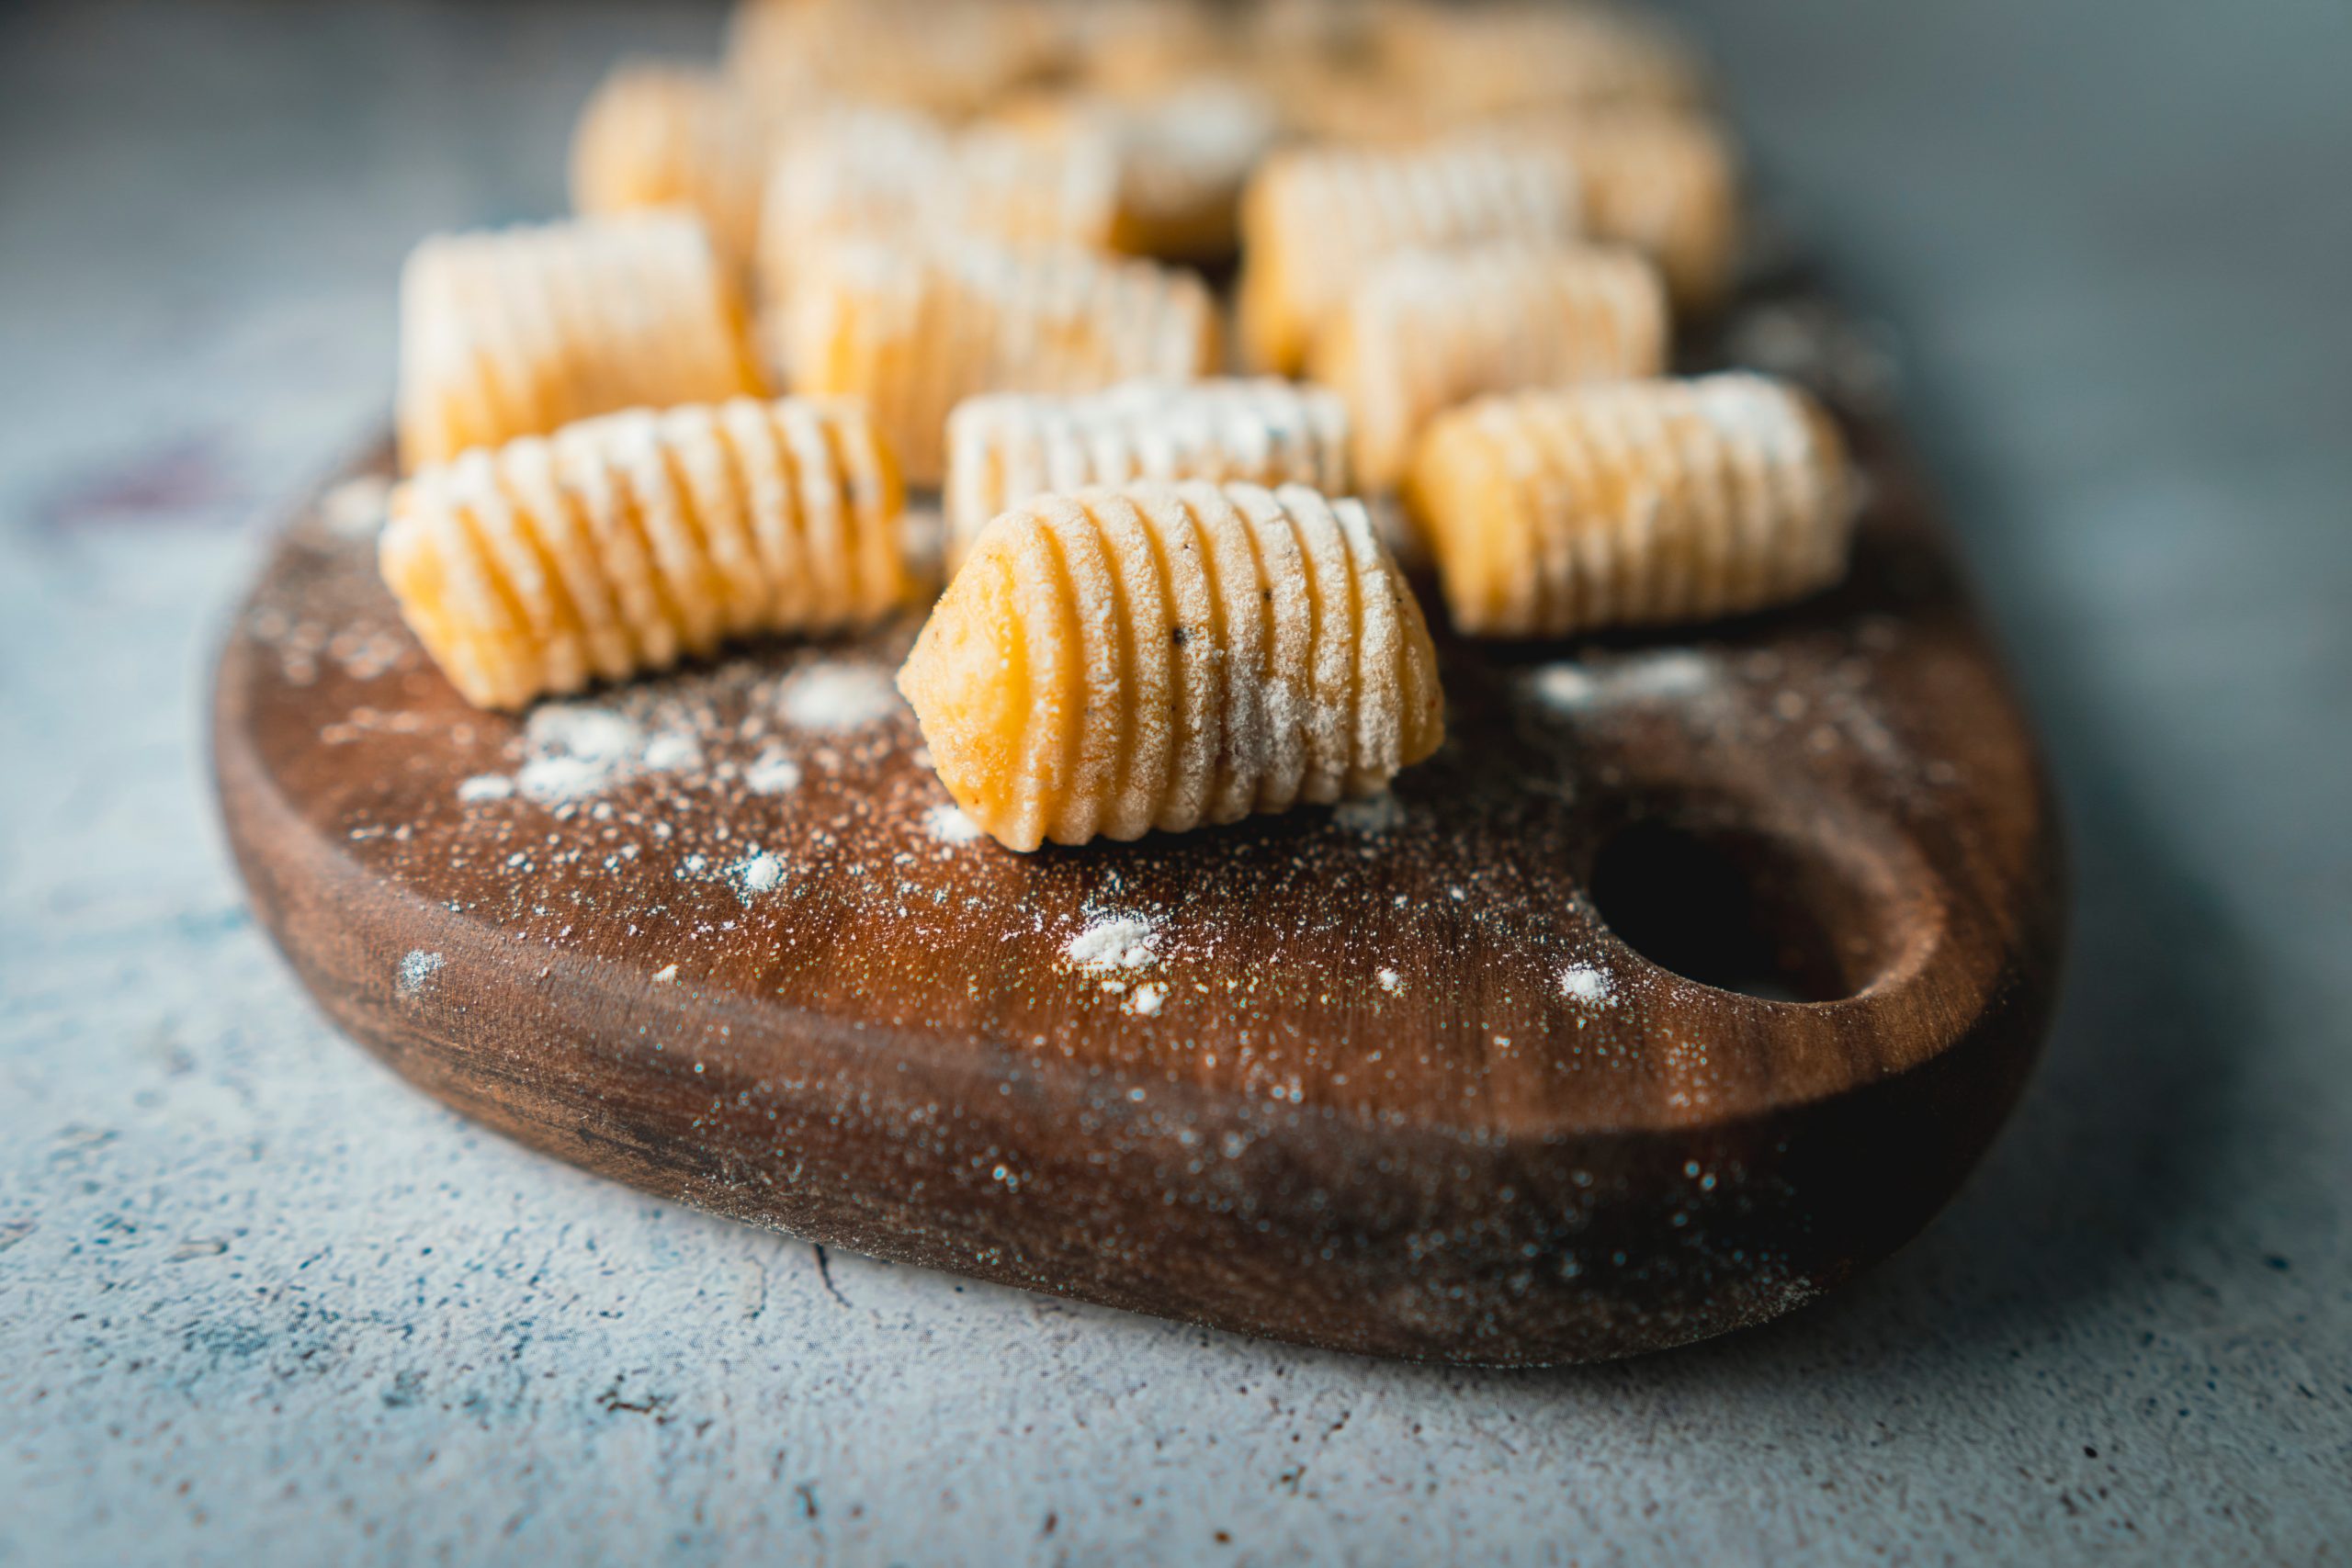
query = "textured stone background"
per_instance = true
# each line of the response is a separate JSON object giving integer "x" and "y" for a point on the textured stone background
{"x": 260, "y": 1303}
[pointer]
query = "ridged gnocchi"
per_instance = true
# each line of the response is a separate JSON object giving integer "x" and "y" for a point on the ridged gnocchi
{"x": 1165, "y": 656}
{"x": 893, "y": 176}
{"x": 947, "y": 57}
{"x": 1425, "y": 329}
{"x": 1557, "y": 512}
{"x": 623, "y": 543}
{"x": 1313, "y": 220}
{"x": 657, "y": 136}
{"x": 1006, "y": 447}
{"x": 1665, "y": 183}
{"x": 1183, "y": 151}
{"x": 914, "y": 329}
{"x": 519, "y": 330}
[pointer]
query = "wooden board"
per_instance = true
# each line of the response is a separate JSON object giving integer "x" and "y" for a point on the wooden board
{"x": 1438, "y": 1078}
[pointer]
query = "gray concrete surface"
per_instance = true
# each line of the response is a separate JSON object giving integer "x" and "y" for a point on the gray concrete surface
{"x": 259, "y": 1302}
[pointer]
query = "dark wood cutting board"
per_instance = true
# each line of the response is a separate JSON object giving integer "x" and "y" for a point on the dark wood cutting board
{"x": 1690, "y": 978}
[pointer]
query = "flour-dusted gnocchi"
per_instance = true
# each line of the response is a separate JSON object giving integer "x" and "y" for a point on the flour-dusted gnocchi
{"x": 622, "y": 542}
{"x": 914, "y": 329}
{"x": 1666, "y": 183}
{"x": 1165, "y": 656}
{"x": 1313, "y": 219}
{"x": 1503, "y": 56}
{"x": 947, "y": 57}
{"x": 1006, "y": 447}
{"x": 1184, "y": 149}
{"x": 1556, "y": 511}
{"x": 1425, "y": 329}
{"x": 519, "y": 330}
{"x": 899, "y": 177}
{"x": 657, "y": 136}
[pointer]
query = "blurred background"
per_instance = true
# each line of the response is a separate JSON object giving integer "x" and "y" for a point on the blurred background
{"x": 256, "y": 1300}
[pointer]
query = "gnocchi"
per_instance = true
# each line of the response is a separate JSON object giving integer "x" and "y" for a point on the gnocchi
{"x": 520, "y": 330}
{"x": 1426, "y": 330}
{"x": 621, "y": 543}
{"x": 1112, "y": 661}
{"x": 1006, "y": 447}
{"x": 916, "y": 329}
{"x": 1640, "y": 501}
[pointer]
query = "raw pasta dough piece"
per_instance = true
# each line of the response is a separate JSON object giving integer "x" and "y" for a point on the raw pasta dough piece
{"x": 622, "y": 542}
{"x": 1164, "y": 656}
{"x": 894, "y": 176}
{"x": 657, "y": 136}
{"x": 519, "y": 330}
{"x": 1426, "y": 330}
{"x": 1472, "y": 61}
{"x": 916, "y": 329}
{"x": 1639, "y": 502}
{"x": 1666, "y": 183}
{"x": 1004, "y": 448}
{"x": 1184, "y": 151}
{"x": 1313, "y": 220}
{"x": 945, "y": 57}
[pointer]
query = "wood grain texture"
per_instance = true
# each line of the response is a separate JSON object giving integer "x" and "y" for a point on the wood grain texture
{"x": 1383, "y": 1079}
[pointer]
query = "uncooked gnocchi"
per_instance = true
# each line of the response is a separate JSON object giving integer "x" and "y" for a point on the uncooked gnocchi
{"x": 1666, "y": 183}
{"x": 657, "y": 136}
{"x": 622, "y": 542}
{"x": 893, "y": 176}
{"x": 1166, "y": 656}
{"x": 1557, "y": 512}
{"x": 915, "y": 330}
{"x": 1184, "y": 151}
{"x": 1006, "y": 447}
{"x": 1314, "y": 218}
{"x": 946, "y": 57}
{"x": 519, "y": 330}
{"x": 1426, "y": 330}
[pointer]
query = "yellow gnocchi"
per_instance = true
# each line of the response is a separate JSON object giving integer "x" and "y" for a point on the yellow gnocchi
{"x": 893, "y": 176}
{"x": 1184, "y": 149}
{"x": 1641, "y": 501}
{"x": 519, "y": 330}
{"x": 1313, "y": 220}
{"x": 657, "y": 136}
{"x": 947, "y": 57}
{"x": 1426, "y": 330}
{"x": 1666, "y": 183}
{"x": 623, "y": 543}
{"x": 1165, "y": 656}
{"x": 1006, "y": 447}
{"x": 914, "y": 329}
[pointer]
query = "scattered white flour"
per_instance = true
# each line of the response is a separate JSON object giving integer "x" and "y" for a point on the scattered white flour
{"x": 1372, "y": 814}
{"x": 1147, "y": 999}
{"x": 355, "y": 508}
{"x": 1658, "y": 677}
{"x": 1390, "y": 981}
{"x": 551, "y": 780}
{"x": 1116, "y": 941}
{"x": 840, "y": 697}
{"x": 672, "y": 753}
{"x": 578, "y": 752}
{"x": 417, "y": 970}
{"x": 757, "y": 873}
{"x": 773, "y": 773}
{"x": 575, "y": 729}
{"x": 1582, "y": 983}
{"x": 666, "y": 976}
{"x": 948, "y": 824}
{"x": 485, "y": 786}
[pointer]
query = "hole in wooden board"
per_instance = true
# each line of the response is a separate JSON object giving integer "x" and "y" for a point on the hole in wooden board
{"x": 1755, "y": 913}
